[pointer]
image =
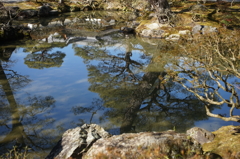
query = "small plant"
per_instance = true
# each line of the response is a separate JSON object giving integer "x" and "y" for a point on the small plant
{"x": 15, "y": 153}
{"x": 225, "y": 22}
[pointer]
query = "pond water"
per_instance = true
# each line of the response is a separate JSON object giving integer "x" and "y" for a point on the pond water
{"x": 73, "y": 72}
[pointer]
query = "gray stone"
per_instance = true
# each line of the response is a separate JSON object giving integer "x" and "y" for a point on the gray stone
{"x": 152, "y": 33}
{"x": 200, "y": 135}
{"x": 209, "y": 29}
{"x": 173, "y": 37}
{"x": 203, "y": 29}
{"x": 76, "y": 141}
{"x": 197, "y": 29}
{"x": 184, "y": 32}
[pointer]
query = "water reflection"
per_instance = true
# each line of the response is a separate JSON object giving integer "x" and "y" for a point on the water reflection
{"x": 138, "y": 100}
{"x": 24, "y": 122}
{"x": 44, "y": 59}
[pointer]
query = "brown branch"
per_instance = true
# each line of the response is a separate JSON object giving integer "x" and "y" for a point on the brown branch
{"x": 231, "y": 118}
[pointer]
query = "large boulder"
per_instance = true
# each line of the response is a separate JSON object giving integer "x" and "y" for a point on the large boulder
{"x": 92, "y": 141}
{"x": 76, "y": 141}
{"x": 167, "y": 144}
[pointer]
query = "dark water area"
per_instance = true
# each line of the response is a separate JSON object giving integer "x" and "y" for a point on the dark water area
{"x": 79, "y": 68}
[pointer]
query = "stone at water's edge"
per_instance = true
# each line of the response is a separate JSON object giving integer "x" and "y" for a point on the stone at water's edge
{"x": 167, "y": 144}
{"x": 200, "y": 135}
{"x": 76, "y": 141}
{"x": 92, "y": 141}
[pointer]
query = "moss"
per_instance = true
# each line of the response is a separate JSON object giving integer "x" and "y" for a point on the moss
{"x": 24, "y": 5}
{"x": 226, "y": 142}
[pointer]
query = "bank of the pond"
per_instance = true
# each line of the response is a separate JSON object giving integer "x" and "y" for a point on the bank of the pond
{"x": 92, "y": 141}
{"x": 186, "y": 18}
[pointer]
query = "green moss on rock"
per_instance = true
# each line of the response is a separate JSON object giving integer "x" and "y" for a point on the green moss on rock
{"x": 226, "y": 142}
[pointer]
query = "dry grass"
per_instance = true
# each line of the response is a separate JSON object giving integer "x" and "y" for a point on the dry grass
{"x": 16, "y": 154}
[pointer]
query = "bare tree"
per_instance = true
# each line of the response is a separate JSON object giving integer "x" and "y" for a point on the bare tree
{"x": 209, "y": 68}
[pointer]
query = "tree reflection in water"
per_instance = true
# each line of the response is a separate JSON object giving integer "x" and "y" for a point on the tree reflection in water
{"x": 138, "y": 96}
{"x": 44, "y": 59}
{"x": 209, "y": 68}
{"x": 23, "y": 122}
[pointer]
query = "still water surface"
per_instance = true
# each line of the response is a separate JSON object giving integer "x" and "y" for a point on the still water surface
{"x": 66, "y": 79}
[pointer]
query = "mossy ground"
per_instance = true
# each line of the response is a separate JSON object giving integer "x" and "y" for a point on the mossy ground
{"x": 226, "y": 142}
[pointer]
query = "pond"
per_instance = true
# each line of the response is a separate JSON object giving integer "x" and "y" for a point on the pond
{"x": 79, "y": 68}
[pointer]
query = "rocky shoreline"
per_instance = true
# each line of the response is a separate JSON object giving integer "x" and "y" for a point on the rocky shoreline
{"x": 148, "y": 27}
{"x": 91, "y": 141}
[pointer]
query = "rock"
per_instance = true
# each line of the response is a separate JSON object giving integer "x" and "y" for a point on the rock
{"x": 209, "y": 29}
{"x": 146, "y": 145}
{"x": 203, "y": 29}
{"x": 184, "y": 32}
{"x": 198, "y": 8}
{"x": 153, "y": 26}
{"x": 76, "y": 141}
{"x": 44, "y": 11}
{"x": 197, "y": 29}
{"x": 226, "y": 142}
{"x": 112, "y": 22}
{"x": 173, "y": 37}
{"x": 53, "y": 12}
{"x": 152, "y": 33}
{"x": 200, "y": 135}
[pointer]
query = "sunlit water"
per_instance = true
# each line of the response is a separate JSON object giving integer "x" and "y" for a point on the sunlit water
{"x": 110, "y": 80}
